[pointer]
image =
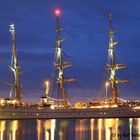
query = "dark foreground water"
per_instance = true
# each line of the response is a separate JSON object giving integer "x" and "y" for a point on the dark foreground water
{"x": 73, "y": 129}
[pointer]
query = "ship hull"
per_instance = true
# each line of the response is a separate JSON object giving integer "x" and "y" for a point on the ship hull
{"x": 46, "y": 113}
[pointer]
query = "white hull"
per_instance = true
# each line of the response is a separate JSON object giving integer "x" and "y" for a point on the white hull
{"x": 46, "y": 113}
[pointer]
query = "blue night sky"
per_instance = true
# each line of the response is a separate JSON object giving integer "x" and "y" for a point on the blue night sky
{"x": 85, "y": 24}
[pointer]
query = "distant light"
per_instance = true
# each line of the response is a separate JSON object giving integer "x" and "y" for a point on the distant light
{"x": 47, "y": 84}
{"x": 106, "y": 84}
{"x": 52, "y": 107}
{"x": 57, "y": 12}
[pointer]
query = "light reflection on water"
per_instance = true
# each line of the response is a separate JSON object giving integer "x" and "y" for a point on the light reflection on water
{"x": 72, "y": 129}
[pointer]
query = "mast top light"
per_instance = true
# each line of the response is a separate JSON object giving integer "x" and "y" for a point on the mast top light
{"x": 57, "y": 12}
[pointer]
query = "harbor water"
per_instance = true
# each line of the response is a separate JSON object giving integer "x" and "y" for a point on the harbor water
{"x": 71, "y": 129}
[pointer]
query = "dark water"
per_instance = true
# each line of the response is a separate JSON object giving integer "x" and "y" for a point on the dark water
{"x": 73, "y": 129}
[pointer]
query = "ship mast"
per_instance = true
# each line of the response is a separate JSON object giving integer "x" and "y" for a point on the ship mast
{"x": 112, "y": 66}
{"x": 15, "y": 66}
{"x": 59, "y": 63}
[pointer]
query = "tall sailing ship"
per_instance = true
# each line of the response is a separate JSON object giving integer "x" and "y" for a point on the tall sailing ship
{"x": 50, "y": 107}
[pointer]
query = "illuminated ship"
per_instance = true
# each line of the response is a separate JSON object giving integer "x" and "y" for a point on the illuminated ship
{"x": 50, "y": 107}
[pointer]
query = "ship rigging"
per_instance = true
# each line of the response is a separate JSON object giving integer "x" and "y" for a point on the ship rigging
{"x": 112, "y": 67}
{"x": 15, "y": 66}
{"x": 60, "y": 64}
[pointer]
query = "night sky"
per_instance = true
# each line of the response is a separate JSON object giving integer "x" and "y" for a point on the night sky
{"x": 85, "y": 24}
